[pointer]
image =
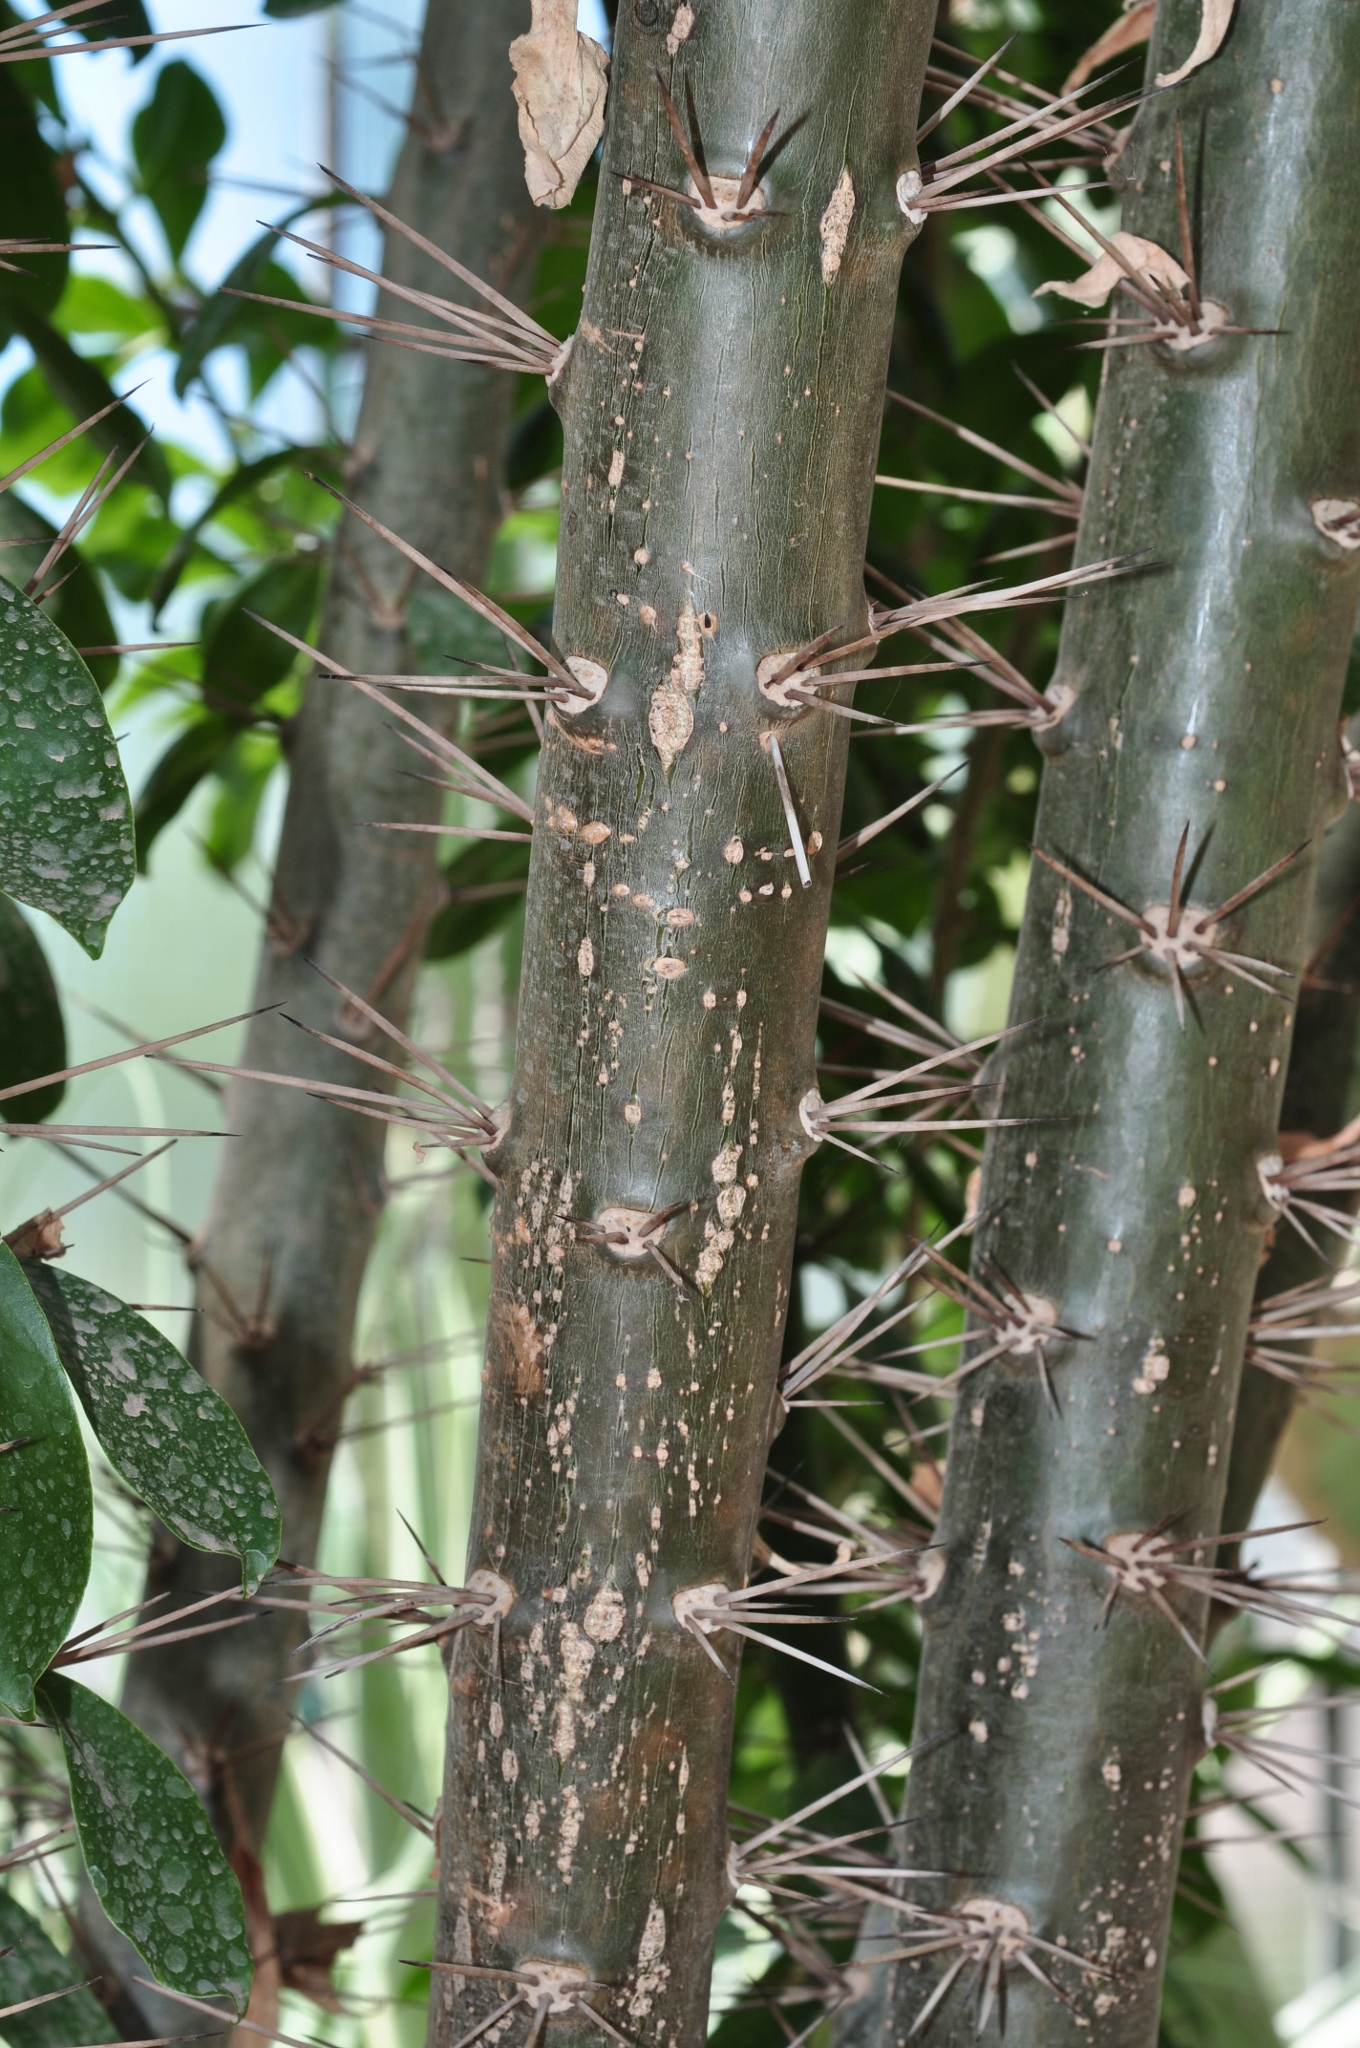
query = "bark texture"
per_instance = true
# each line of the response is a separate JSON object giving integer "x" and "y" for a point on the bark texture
{"x": 721, "y": 413}
{"x": 1206, "y": 693}
{"x": 1319, "y": 1098}
{"x": 301, "y": 1186}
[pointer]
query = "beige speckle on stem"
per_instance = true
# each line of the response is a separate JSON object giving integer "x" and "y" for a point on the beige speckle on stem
{"x": 834, "y": 227}
{"x": 604, "y": 1616}
{"x": 680, "y": 29}
{"x": 591, "y": 678}
{"x": 670, "y": 722}
{"x": 1339, "y": 520}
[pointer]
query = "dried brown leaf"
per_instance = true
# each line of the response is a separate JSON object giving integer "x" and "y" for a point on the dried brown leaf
{"x": 1215, "y": 21}
{"x": 1125, "y": 34}
{"x": 560, "y": 81}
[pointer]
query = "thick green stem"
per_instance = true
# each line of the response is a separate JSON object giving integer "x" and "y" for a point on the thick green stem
{"x": 301, "y": 1184}
{"x": 721, "y": 413}
{"x": 1318, "y": 1099}
{"x": 1205, "y": 694}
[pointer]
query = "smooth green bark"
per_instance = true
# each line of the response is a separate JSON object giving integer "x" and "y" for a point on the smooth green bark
{"x": 301, "y": 1184}
{"x": 1206, "y": 694}
{"x": 721, "y": 413}
{"x": 1319, "y": 1098}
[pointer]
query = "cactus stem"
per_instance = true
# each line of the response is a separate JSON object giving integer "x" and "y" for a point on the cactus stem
{"x": 990, "y": 1934}
{"x": 1160, "y": 926}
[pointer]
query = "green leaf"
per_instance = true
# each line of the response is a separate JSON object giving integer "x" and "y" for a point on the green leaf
{"x": 485, "y": 887}
{"x": 46, "y": 1507}
{"x": 224, "y": 318}
{"x": 65, "y": 814}
{"x": 534, "y": 446}
{"x": 1211, "y": 1998}
{"x": 78, "y": 607}
{"x": 33, "y": 75}
{"x": 442, "y": 629}
{"x": 31, "y": 1966}
{"x": 242, "y": 778}
{"x": 174, "y": 1440}
{"x": 288, "y": 10}
{"x": 153, "y": 1859}
{"x": 221, "y": 313}
{"x": 192, "y": 754}
{"x": 31, "y": 206}
{"x": 174, "y": 138}
{"x": 242, "y": 480}
{"x": 96, "y": 308}
{"x": 32, "y": 1034}
{"x": 80, "y": 385}
{"x": 242, "y": 659}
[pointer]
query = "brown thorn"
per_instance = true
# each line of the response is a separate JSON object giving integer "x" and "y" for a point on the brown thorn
{"x": 1254, "y": 888}
{"x": 1173, "y": 912}
{"x": 470, "y": 595}
{"x": 771, "y": 743}
{"x": 942, "y": 112}
{"x": 1097, "y": 895}
{"x": 696, "y": 170}
{"x": 750, "y": 177}
{"x": 1051, "y": 409}
{"x": 1183, "y": 216}
{"x": 1059, "y": 486}
{"x": 512, "y": 312}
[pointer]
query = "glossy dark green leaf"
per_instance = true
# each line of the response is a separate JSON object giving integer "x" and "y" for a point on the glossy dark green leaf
{"x": 175, "y": 137}
{"x": 241, "y": 781}
{"x": 33, "y": 75}
{"x": 46, "y": 1508}
{"x": 65, "y": 814}
{"x": 174, "y": 1440}
{"x": 533, "y": 446}
{"x": 192, "y": 754}
{"x": 31, "y": 205}
{"x": 224, "y": 318}
{"x": 288, "y": 10}
{"x": 443, "y": 630}
{"x": 78, "y": 606}
{"x": 241, "y": 481}
{"x": 32, "y": 1967}
{"x": 485, "y": 887}
{"x": 81, "y": 386}
{"x": 219, "y": 315}
{"x": 243, "y": 659}
{"x": 153, "y": 1859}
{"x": 32, "y": 1034}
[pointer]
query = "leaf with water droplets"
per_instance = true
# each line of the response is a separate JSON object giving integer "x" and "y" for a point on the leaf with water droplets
{"x": 153, "y": 1859}
{"x": 173, "y": 1439}
{"x": 32, "y": 1967}
{"x": 66, "y": 841}
{"x": 46, "y": 1509}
